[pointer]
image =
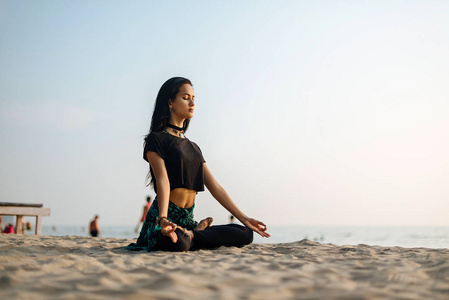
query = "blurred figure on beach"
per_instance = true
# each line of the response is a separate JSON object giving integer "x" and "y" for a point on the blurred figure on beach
{"x": 23, "y": 226}
{"x": 231, "y": 219}
{"x": 144, "y": 214}
{"x": 94, "y": 228}
{"x": 9, "y": 228}
{"x": 28, "y": 226}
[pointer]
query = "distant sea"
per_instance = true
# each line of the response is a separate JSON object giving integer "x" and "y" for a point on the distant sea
{"x": 429, "y": 237}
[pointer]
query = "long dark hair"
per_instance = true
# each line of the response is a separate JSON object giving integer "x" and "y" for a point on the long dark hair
{"x": 161, "y": 112}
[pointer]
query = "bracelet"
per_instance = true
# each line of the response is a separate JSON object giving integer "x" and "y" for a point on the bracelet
{"x": 160, "y": 219}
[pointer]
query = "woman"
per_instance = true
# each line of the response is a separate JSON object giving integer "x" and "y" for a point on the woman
{"x": 144, "y": 214}
{"x": 178, "y": 172}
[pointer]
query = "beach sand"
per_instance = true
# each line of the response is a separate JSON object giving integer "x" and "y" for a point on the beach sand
{"x": 75, "y": 267}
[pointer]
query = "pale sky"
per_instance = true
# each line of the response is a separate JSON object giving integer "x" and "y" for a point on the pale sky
{"x": 307, "y": 112}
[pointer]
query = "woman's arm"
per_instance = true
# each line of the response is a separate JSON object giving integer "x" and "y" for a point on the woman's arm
{"x": 219, "y": 193}
{"x": 163, "y": 194}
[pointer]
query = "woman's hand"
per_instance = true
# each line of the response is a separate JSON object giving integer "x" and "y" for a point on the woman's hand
{"x": 257, "y": 226}
{"x": 168, "y": 228}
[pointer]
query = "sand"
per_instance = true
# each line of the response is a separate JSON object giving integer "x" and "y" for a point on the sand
{"x": 74, "y": 267}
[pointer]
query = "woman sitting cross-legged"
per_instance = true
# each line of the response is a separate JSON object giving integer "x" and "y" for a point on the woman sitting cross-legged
{"x": 178, "y": 172}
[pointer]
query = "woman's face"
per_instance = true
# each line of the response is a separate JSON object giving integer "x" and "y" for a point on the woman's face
{"x": 183, "y": 105}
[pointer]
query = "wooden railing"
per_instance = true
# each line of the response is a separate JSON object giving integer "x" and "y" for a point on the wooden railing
{"x": 24, "y": 209}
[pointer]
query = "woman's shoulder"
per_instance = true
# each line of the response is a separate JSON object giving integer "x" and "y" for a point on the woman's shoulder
{"x": 162, "y": 139}
{"x": 159, "y": 136}
{"x": 157, "y": 142}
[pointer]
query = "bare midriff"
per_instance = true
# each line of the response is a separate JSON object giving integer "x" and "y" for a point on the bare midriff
{"x": 183, "y": 198}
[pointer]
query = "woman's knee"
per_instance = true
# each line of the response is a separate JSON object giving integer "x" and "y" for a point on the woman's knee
{"x": 242, "y": 235}
{"x": 247, "y": 235}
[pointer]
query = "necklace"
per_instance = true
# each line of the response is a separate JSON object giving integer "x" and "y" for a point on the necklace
{"x": 177, "y": 130}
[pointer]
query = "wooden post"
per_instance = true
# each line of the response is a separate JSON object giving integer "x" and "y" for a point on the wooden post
{"x": 19, "y": 224}
{"x": 38, "y": 229}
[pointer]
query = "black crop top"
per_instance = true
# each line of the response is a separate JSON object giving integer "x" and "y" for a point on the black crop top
{"x": 183, "y": 160}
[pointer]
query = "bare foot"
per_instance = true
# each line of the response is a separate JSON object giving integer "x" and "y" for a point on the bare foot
{"x": 203, "y": 224}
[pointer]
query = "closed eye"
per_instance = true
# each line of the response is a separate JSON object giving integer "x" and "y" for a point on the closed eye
{"x": 187, "y": 97}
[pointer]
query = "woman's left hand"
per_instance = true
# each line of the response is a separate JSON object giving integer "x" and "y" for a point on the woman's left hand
{"x": 256, "y": 226}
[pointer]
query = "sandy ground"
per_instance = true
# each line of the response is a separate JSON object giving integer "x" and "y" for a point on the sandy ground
{"x": 74, "y": 267}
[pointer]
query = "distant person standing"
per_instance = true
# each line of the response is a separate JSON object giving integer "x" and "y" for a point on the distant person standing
{"x": 144, "y": 213}
{"x": 23, "y": 226}
{"x": 231, "y": 219}
{"x": 94, "y": 229}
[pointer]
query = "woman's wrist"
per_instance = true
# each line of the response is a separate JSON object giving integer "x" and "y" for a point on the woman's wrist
{"x": 242, "y": 218}
{"x": 162, "y": 218}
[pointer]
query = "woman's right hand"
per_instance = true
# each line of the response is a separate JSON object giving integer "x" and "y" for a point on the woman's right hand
{"x": 168, "y": 228}
{"x": 256, "y": 226}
